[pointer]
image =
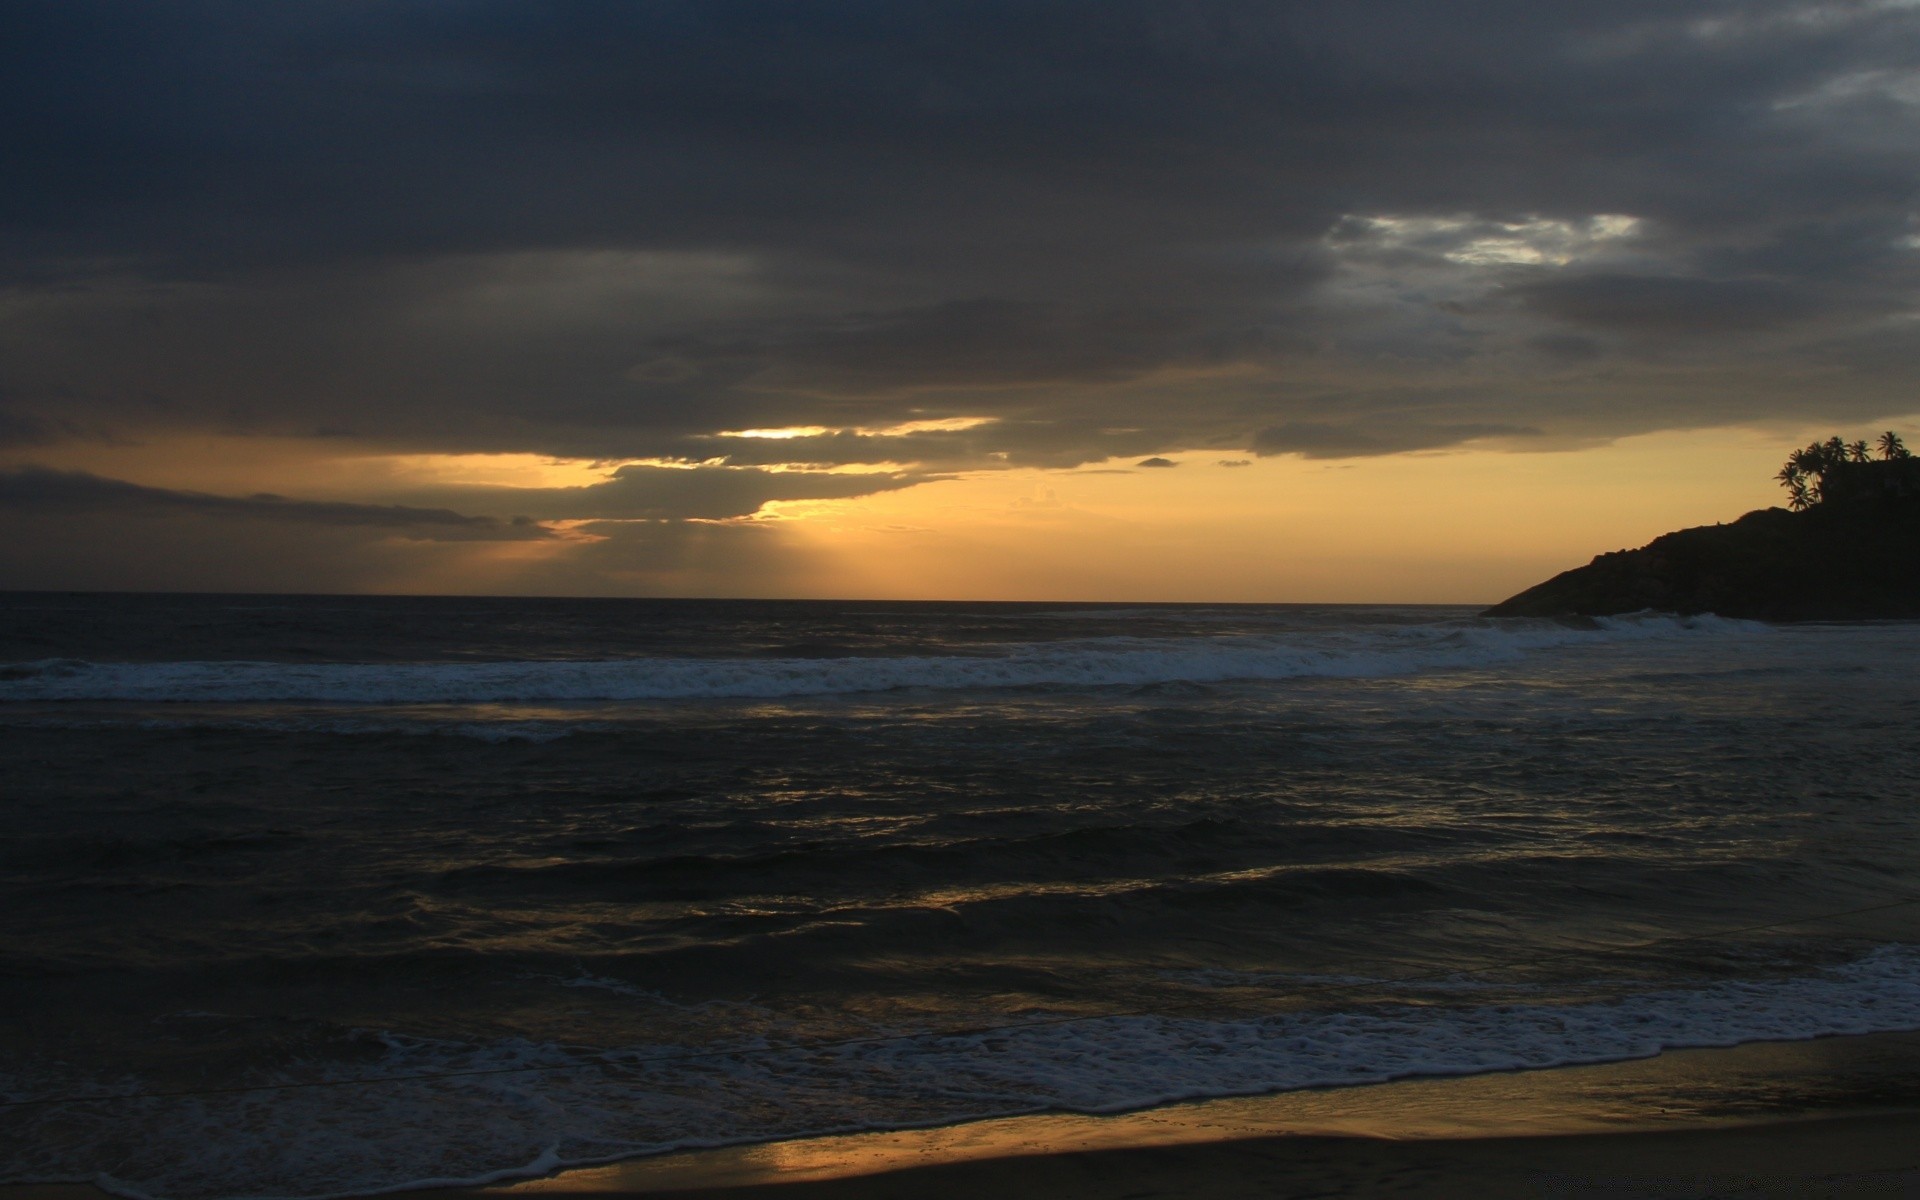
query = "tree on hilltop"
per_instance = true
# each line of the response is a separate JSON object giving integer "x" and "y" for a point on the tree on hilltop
{"x": 1820, "y": 471}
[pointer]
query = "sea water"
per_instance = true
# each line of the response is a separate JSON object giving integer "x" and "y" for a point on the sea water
{"x": 309, "y": 896}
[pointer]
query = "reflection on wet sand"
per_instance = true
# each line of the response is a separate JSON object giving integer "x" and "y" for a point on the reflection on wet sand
{"x": 1715, "y": 1097}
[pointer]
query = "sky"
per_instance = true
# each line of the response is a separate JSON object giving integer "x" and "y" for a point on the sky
{"x": 1413, "y": 301}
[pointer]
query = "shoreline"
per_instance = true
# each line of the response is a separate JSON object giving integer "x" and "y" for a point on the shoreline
{"x": 1851, "y": 1156}
{"x": 1797, "y": 1106}
{"x": 1845, "y": 1107}
{"x": 1833, "y": 1116}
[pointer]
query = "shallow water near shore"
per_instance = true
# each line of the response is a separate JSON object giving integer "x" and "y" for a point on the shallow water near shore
{"x": 524, "y": 883}
{"x": 1319, "y": 1141}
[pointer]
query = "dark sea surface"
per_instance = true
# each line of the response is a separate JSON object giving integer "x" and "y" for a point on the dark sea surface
{"x": 474, "y": 888}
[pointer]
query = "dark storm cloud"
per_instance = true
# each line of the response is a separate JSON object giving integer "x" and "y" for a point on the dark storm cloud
{"x": 1315, "y": 439}
{"x": 1673, "y": 307}
{"x": 978, "y": 342}
{"x": 16, "y": 430}
{"x": 620, "y": 230}
{"x": 1568, "y": 347}
{"x": 37, "y": 491}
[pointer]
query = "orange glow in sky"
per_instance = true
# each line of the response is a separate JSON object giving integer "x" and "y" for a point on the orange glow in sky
{"x": 1464, "y": 526}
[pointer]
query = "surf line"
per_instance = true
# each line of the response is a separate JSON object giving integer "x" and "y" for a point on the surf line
{"x": 969, "y": 1031}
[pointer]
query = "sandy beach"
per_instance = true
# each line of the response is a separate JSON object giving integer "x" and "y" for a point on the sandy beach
{"x": 1833, "y": 1117}
{"x": 1070, "y": 600}
{"x": 1844, "y": 1157}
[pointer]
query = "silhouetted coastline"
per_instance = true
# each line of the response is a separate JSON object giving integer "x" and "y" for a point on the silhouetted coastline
{"x": 1851, "y": 551}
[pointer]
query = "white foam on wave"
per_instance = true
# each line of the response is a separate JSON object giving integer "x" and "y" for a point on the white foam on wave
{"x": 572, "y": 1107}
{"x": 334, "y": 722}
{"x": 1362, "y": 652}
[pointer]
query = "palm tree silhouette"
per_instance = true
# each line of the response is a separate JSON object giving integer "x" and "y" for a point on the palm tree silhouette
{"x": 1837, "y": 469}
{"x": 1794, "y": 479}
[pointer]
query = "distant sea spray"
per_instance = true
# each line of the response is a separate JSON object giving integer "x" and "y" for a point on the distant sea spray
{"x": 1363, "y": 652}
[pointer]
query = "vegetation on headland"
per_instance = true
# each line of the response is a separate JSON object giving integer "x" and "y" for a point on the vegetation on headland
{"x": 1848, "y": 549}
{"x": 1837, "y": 469}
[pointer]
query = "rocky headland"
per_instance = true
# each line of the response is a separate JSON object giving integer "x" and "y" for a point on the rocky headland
{"x": 1849, "y": 550}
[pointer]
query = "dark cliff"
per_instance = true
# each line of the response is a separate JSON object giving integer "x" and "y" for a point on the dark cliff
{"x": 1836, "y": 561}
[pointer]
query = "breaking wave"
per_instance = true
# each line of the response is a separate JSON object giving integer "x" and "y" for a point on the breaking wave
{"x": 534, "y": 1107}
{"x": 1084, "y": 663}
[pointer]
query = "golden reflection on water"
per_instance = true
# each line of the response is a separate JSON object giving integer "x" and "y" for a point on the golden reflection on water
{"x": 1689, "y": 1088}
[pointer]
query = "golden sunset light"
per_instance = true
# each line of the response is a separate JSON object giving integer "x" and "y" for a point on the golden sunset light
{"x": 1028, "y": 599}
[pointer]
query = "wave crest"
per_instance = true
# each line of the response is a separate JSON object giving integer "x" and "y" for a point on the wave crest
{"x": 1080, "y": 663}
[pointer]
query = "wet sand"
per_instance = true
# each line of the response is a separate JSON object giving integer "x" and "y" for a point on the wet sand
{"x": 1851, "y": 1157}
{"x": 1835, "y": 1117}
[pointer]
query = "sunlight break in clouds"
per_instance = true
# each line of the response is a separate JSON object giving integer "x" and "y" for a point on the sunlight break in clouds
{"x": 898, "y": 429}
{"x": 685, "y": 269}
{"x": 1476, "y": 241}
{"x": 493, "y": 470}
{"x": 796, "y": 431}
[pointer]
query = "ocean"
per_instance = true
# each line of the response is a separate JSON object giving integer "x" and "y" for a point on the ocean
{"x": 312, "y": 896}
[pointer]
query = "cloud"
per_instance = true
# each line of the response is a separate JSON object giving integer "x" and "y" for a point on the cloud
{"x": 1668, "y": 306}
{"x": 1101, "y": 229}
{"x": 21, "y": 430}
{"x": 644, "y": 492}
{"x": 1156, "y": 462}
{"x": 1313, "y": 439}
{"x": 38, "y": 491}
